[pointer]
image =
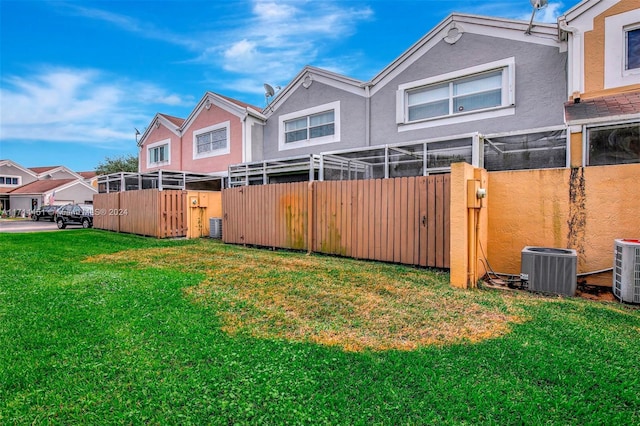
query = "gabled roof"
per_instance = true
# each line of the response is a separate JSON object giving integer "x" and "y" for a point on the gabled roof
{"x": 44, "y": 186}
{"x": 234, "y": 106}
{"x": 594, "y": 7}
{"x": 178, "y": 125}
{"x": 88, "y": 175}
{"x": 174, "y": 120}
{"x": 41, "y": 186}
{"x": 606, "y": 108}
{"x": 170, "y": 122}
{"x": 455, "y": 26}
{"x": 239, "y": 103}
{"x": 307, "y": 76}
{"x": 18, "y": 166}
{"x": 40, "y": 170}
{"x": 49, "y": 170}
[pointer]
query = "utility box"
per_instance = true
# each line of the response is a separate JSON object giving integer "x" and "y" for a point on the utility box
{"x": 626, "y": 270}
{"x": 550, "y": 270}
{"x": 215, "y": 228}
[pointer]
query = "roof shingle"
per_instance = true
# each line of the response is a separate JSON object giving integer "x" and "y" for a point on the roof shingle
{"x": 41, "y": 186}
{"x": 602, "y": 107}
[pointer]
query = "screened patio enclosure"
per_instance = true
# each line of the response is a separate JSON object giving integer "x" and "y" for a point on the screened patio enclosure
{"x": 533, "y": 149}
{"x": 161, "y": 179}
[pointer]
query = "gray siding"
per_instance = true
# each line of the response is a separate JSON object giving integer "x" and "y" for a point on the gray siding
{"x": 540, "y": 87}
{"x": 352, "y": 120}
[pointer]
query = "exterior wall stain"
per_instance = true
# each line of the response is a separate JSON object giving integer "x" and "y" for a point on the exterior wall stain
{"x": 577, "y": 221}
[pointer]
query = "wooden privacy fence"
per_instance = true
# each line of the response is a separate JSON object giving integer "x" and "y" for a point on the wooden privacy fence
{"x": 150, "y": 212}
{"x": 401, "y": 220}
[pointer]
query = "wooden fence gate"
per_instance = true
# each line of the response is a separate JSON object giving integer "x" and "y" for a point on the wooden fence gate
{"x": 401, "y": 220}
{"x": 150, "y": 212}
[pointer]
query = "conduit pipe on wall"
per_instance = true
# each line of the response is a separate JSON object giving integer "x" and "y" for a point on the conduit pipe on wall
{"x": 575, "y": 62}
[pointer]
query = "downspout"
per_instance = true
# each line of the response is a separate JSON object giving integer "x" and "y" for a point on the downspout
{"x": 367, "y": 114}
{"x": 246, "y": 157}
{"x": 574, "y": 57}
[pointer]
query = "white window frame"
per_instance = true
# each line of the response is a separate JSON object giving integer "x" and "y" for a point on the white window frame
{"x": 507, "y": 106}
{"x": 335, "y": 106}
{"x": 19, "y": 179}
{"x": 627, "y": 30}
{"x": 616, "y": 73}
{"x": 216, "y": 152}
{"x": 155, "y": 145}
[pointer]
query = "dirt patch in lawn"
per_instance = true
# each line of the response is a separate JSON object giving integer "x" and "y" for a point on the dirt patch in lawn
{"x": 330, "y": 301}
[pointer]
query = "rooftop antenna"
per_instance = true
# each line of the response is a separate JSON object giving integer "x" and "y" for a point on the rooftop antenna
{"x": 537, "y": 5}
{"x": 269, "y": 91}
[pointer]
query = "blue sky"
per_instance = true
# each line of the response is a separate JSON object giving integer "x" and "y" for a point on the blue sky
{"x": 77, "y": 77}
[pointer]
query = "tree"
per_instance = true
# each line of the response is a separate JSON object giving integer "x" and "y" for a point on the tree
{"x": 124, "y": 163}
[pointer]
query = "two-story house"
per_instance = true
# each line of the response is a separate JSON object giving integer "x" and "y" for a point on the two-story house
{"x": 485, "y": 90}
{"x": 218, "y": 132}
{"x": 603, "y": 108}
{"x": 26, "y": 189}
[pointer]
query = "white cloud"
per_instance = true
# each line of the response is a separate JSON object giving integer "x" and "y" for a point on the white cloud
{"x": 550, "y": 13}
{"x": 278, "y": 39}
{"x": 520, "y": 10}
{"x": 127, "y": 23}
{"x": 77, "y": 105}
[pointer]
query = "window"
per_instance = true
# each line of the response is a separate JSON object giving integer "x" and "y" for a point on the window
{"x": 211, "y": 141}
{"x": 470, "y": 94}
{"x": 632, "y": 45}
{"x": 159, "y": 153}
{"x": 8, "y": 180}
{"x": 617, "y": 144}
{"x": 477, "y": 91}
{"x": 312, "y": 126}
{"x": 309, "y": 127}
{"x": 621, "y": 49}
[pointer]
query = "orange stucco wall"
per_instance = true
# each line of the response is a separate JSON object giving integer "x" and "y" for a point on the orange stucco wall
{"x": 594, "y": 42}
{"x": 576, "y": 147}
{"x": 208, "y": 204}
{"x": 581, "y": 208}
{"x": 466, "y": 238}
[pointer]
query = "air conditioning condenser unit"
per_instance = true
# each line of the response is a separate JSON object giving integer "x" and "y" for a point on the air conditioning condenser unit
{"x": 626, "y": 270}
{"x": 550, "y": 270}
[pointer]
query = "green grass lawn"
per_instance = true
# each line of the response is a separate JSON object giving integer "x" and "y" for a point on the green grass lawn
{"x": 102, "y": 328}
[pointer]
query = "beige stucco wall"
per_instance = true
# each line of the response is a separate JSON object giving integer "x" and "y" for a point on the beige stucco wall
{"x": 581, "y": 208}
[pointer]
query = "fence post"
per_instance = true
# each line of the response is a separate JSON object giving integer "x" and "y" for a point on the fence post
{"x": 468, "y": 225}
{"x": 310, "y": 216}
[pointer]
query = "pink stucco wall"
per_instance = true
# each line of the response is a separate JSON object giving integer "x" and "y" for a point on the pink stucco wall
{"x": 220, "y": 163}
{"x": 157, "y": 135}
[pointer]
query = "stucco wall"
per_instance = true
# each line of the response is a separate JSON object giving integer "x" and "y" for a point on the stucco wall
{"x": 352, "y": 120}
{"x": 582, "y": 208}
{"x": 539, "y": 93}
{"x": 11, "y": 171}
{"x": 77, "y": 193}
{"x": 218, "y": 163}
{"x": 594, "y": 47}
{"x": 468, "y": 226}
{"x": 157, "y": 135}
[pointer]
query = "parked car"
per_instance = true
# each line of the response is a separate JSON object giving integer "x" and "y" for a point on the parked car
{"x": 74, "y": 214}
{"x": 45, "y": 213}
